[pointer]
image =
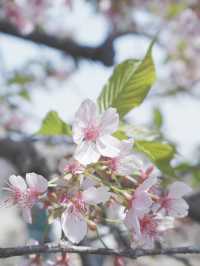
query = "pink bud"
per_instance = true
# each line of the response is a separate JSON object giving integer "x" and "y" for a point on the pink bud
{"x": 119, "y": 261}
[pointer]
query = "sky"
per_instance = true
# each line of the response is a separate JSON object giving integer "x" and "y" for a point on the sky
{"x": 181, "y": 113}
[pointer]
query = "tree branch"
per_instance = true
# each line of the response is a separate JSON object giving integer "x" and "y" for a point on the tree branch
{"x": 103, "y": 53}
{"x": 66, "y": 247}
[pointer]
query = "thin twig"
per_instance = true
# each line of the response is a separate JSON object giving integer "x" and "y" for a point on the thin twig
{"x": 66, "y": 247}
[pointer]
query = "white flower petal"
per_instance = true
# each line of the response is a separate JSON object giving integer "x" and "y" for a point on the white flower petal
{"x": 86, "y": 113}
{"x": 127, "y": 164}
{"x": 179, "y": 189}
{"x": 108, "y": 146}
{"x": 87, "y": 153}
{"x": 126, "y": 148}
{"x": 148, "y": 183}
{"x": 37, "y": 182}
{"x": 109, "y": 121}
{"x": 179, "y": 208}
{"x": 77, "y": 133}
{"x": 132, "y": 222}
{"x": 18, "y": 182}
{"x": 95, "y": 195}
{"x": 87, "y": 182}
{"x": 26, "y": 212}
{"x": 74, "y": 226}
{"x": 57, "y": 230}
{"x": 142, "y": 203}
{"x": 165, "y": 223}
{"x": 128, "y": 219}
{"x": 124, "y": 170}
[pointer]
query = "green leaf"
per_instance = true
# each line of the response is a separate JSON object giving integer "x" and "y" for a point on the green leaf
{"x": 25, "y": 94}
{"x": 175, "y": 9}
{"x": 53, "y": 125}
{"x": 121, "y": 135}
{"x": 157, "y": 118}
{"x": 159, "y": 153}
{"x": 20, "y": 79}
{"x": 196, "y": 177}
{"x": 129, "y": 84}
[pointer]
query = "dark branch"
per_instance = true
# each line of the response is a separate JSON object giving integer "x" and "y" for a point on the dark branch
{"x": 103, "y": 53}
{"x": 65, "y": 247}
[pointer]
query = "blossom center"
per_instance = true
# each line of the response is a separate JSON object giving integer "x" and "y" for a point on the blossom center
{"x": 166, "y": 203}
{"x": 91, "y": 133}
{"x": 28, "y": 198}
{"x": 15, "y": 194}
{"x": 78, "y": 203}
{"x": 148, "y": 225}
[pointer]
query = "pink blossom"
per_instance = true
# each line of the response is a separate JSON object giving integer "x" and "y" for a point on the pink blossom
{"x": 26, "y": 194}
{"x": 173, "y": 204}
{"x": 148, "y": 231}
{"x": 139, "y": 205}
{"x": 15, "y": 14}
{"x": 126, "y": 162}
{"x": 141, "y": 201}
{"x": 73, "y": 220}
{"x": 93, "y": 133}
{"x": 152, "y": 227}
{"x": 73, "y": 167}
{"x": 119, "y": 261}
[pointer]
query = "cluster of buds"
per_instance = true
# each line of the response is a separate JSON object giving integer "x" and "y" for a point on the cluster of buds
{"x": 103, "y": 171}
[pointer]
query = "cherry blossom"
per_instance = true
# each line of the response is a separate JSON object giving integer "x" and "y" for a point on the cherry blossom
{"x": 126, "y": 162}
{"x": 93, "y": 133}
{"x": 73, "y": 199}
{"x": 16, "y": 16}
{"x": 141, "y": 200}
{"x": 173, "y": 204}
{"x": 73, "y": 221}
{"x": 148, "y": 231}
{"x": 139, "y": 206}
{"x": 26, "y": 193}
{"x": 73, "y": 167}
{"x": 25, "y": 15}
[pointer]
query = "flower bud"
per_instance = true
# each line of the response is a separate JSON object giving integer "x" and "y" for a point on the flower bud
{"x": 119, "y": 261}
{"x": 92, "y": 225}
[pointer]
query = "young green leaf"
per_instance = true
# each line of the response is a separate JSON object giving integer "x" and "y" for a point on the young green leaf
{"x": 25, "y": 94}
{"x": 157, "y": 118}
{"x": 121, "y": 135}
{"x": 159, "y": 153}
{"x": 53, "y": 125}
{"x": 129, "y": 84}
{"x": 20, "y": 79}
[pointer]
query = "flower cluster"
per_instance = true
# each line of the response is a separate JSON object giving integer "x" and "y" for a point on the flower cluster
{"x": 104, "y": 172}
{"x": 26, "y": 15}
